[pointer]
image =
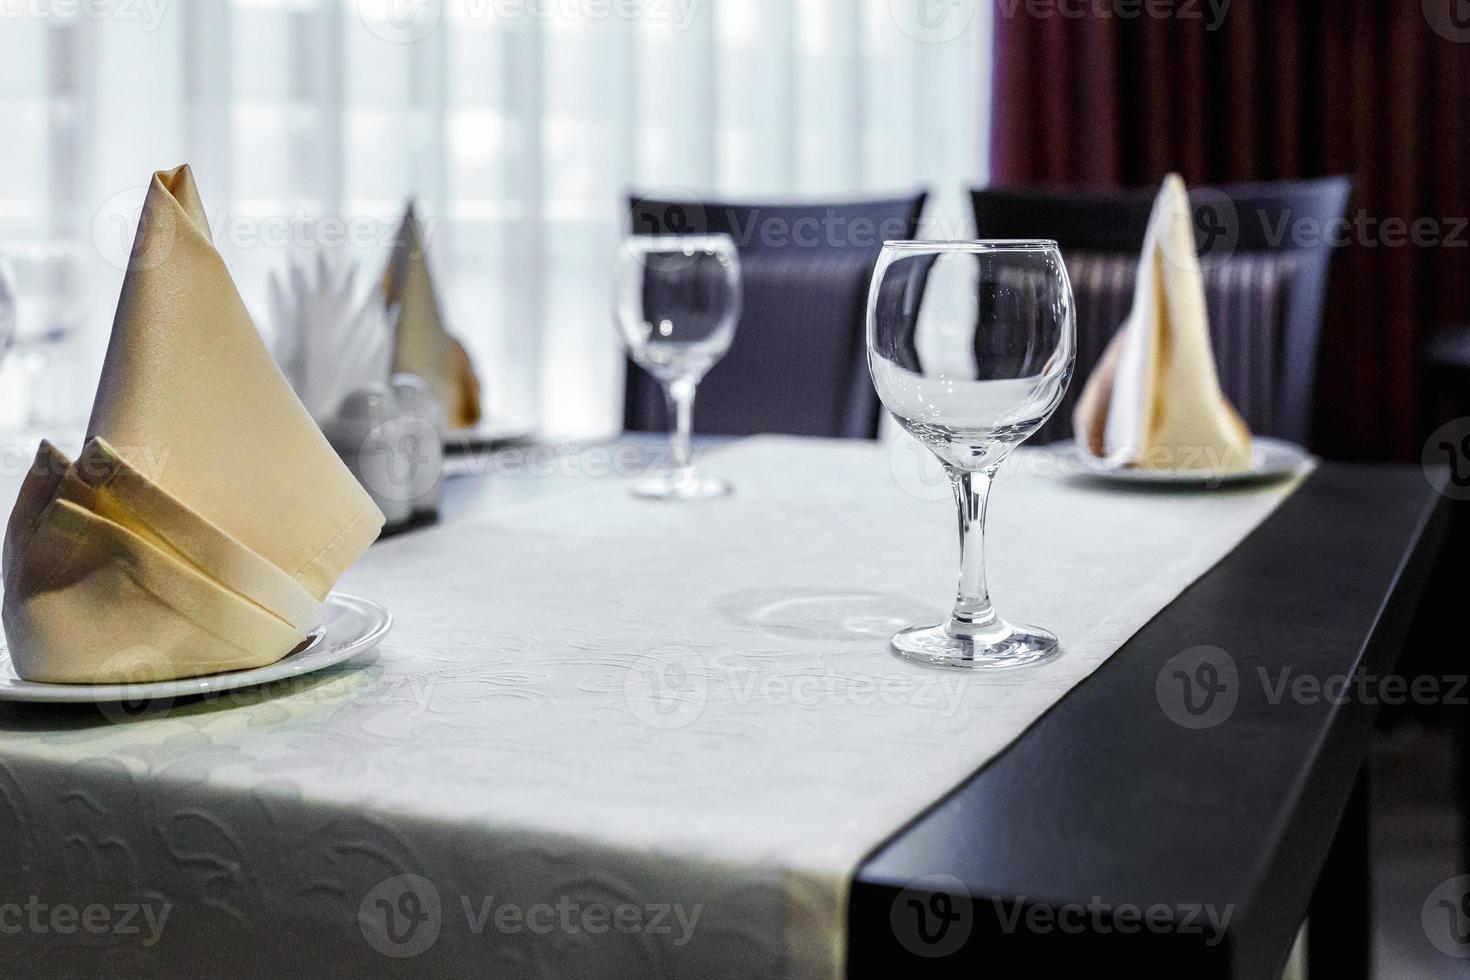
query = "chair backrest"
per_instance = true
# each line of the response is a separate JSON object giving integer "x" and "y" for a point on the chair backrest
{"x": 798, "y": 363}
{"x": 1268, "y": 253}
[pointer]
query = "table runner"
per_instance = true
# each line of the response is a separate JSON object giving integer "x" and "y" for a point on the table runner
{"x": 608, "y": 737}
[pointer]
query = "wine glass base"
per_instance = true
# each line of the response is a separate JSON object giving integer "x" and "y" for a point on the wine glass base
{"x": 665, "y": 487}
{"x": 1002, "y": 647}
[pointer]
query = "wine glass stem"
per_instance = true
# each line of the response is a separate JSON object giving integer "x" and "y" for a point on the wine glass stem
{"x": 680, "y": 397}
{"x": 35, "y": 370}
{"x": 973, "y": 612}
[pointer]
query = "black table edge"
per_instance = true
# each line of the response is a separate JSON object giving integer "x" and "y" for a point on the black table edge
{"x": 1259, "y": 940}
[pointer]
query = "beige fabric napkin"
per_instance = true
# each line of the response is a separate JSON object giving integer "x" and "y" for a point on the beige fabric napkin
{"x": 1154, "y": 400}
{"x": 207, "y": 517}
{"x": 422, "y": 345}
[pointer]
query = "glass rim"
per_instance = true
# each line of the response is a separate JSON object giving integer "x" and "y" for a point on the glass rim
{"x": 972, "y": 245}
{"x": 678, "y": 242}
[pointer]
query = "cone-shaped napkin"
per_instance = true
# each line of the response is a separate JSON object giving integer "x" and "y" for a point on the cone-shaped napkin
{"x": 1154, "y": 399}
{"x": 207, "y": 517}
{"x": 421, "y": 344}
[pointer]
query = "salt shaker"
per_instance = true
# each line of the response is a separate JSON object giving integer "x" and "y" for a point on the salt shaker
{"x": 367, "y": 433}
{"x": 424, "y": 415}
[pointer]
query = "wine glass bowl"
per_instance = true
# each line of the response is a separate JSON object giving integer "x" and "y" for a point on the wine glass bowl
{"x": 7, "y": 307}
{"x": 44, "y": 302}
{"x": 971, "y": 346}
{"x": 677, "y": 302}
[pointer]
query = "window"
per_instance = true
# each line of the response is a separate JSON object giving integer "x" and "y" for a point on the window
{"x": 520, "y": 125}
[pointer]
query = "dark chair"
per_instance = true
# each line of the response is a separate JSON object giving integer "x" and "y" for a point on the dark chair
{"x": 1265, "y": 284}
{"x": 798, "y": 363}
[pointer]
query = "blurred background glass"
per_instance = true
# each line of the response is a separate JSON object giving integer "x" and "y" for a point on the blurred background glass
{"x": 677, "y": 304}
{"x": 7, "y": 308}
{"x": 44, "y": 302}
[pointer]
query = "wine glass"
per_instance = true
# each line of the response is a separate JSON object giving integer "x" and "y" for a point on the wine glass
{"x": 678, "y": 298}
{"x": 971, "y": 347}
{"x": 7, "y": 307}
{"x": 48, "y": 304}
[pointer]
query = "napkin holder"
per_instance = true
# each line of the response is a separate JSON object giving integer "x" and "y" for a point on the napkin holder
{"x": 329, "y": 340}
{"x": 390, "y": 438}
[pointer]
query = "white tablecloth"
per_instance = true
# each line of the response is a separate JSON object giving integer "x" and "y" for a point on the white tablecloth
{"x": 682, "y": 714}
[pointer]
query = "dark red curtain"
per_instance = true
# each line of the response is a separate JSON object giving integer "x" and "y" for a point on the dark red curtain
{"x": 1087, "y": 93}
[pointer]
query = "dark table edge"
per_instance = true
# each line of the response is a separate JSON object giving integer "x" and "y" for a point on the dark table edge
{"x": 1266, "y": 953}
{"x": 1300, "y": 858}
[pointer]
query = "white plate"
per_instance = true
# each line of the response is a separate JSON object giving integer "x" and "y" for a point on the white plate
{"x": 481, "y": 438}
{"x": 1271, "y": 459}
{"x": 353, "y": 625}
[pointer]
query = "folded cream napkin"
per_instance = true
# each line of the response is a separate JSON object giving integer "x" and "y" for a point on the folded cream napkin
{"x": 422, "y": 346}
{"x": 207, "y": 517}
{"x": 1154, "y": 399}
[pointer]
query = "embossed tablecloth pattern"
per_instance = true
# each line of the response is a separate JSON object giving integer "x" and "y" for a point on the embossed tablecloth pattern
{"x": 592, "y": 700}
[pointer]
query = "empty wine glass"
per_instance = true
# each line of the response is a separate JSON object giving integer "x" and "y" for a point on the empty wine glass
{"x": 48, "y": 305}
{"x": 7, "y": 307}
{"x": 971, "y": 346}
{"x": 678, "y": 298}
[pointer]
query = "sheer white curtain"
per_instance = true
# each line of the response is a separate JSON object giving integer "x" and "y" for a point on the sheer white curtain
{"x": 520, "y": 126}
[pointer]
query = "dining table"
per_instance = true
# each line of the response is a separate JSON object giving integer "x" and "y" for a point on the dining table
{"x": 544, "y": 739}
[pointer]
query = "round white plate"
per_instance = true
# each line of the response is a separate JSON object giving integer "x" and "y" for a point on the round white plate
{"x": 1270, "y": 459}
{"x": 353, "y": 625}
